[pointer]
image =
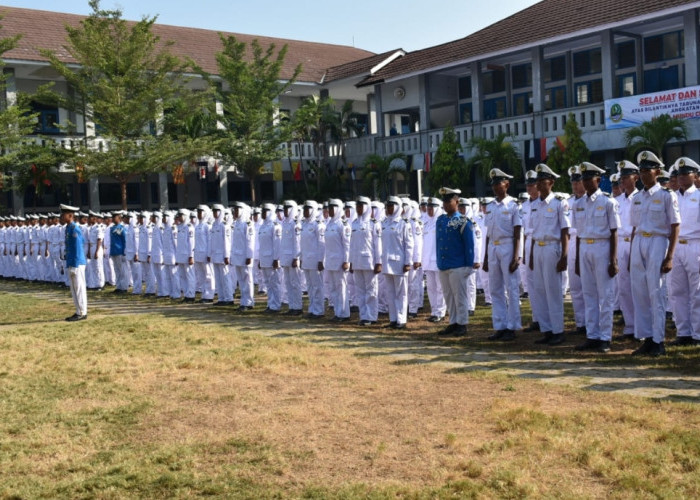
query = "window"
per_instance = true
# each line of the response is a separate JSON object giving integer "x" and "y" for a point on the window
{"x": 522, "y": 104}
{"x": 522, "y": 76}
{"x": 494, "y": 108}
{"x": 663, "y": 47}
{"x": 554, "y": 69}
{"x": 626, "y": 54}
{"x": 465, "y": 87}
{"x": 589, "y": 92}
{"x": 657, "y": 80}
{"x": 111, "y": 193}
{"x": 47, "y": 119}
{"x": 555, "y": 98}
{"x": 626, "y": 85}
{"x": 465, "y": 113}
{"x": 494, "y": 81}
{"x": 587, "y": 62}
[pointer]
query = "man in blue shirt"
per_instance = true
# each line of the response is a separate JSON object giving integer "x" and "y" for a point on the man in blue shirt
{"x": 117, "y": 252}
{"x": 75, "y": 262}
{"x": 455, "y": 259}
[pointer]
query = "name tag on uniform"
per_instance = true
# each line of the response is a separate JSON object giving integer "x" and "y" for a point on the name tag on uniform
{"x": 600, "y": 208}
{"x": 657, "y": 202}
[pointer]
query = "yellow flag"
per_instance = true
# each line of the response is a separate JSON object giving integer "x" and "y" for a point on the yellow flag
{"x": 277, "y": 171}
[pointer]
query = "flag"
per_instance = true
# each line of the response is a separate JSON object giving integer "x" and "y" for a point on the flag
{"x": 80, "y": 173}
{"x": 178, "y": 174}
{"x": 427, "y": 162}
{"x": 296, "y": 168}
{"x": 543, "y": 149}
{"x": 561, "y": 143}
{"x": 277, "y": 171}
{"x": 216, "y": 168}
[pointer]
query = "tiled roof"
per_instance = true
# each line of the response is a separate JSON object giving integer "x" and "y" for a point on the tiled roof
{"x": 44, "y": 29}
{"x": 356, "y": 68}
{"x": 544, "y": 20}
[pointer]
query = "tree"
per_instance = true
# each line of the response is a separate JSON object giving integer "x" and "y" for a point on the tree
{"x": 345, "y": 126}
{"x": 126, "y": 77}
{"x": 250, "y": 137}
{"x": 379, "y": 173}
{"x": 569, "y": 150}
{"x": 16, "y": 122}
{"x": 655, "y": 134}
{"x": 448, "y": 168}
{"x": 37, "y": 168}
{"x": 494, "y": 153}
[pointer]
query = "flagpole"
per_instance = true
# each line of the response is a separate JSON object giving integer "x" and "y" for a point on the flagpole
{"x": 420, "y": 184}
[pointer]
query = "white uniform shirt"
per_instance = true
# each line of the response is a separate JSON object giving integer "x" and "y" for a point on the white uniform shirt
{"x": 599, "y": 217}
{"x": 242, "y": 242}
{"x": 337, "y": 235}
{"x": 269, "y": 239}
{"x": 201, "y": 241}
{"x": 289, "y": 248}
{"x": 653, "y": 211}
{"x": 312, "y": 243}
{"x": 185, "y": 243}
{"x": 500, "y": 219}
{"x": 219, "y": 241}
{"x": 549, "y": 217}
{"x": 365, "y": 243}
{"x": 145, "y": 239}
{"x": 689, "y": 208}
{"x": 397, "y": 245}
{"x": 625, "y": 208}
{"x": 169, "y": 242}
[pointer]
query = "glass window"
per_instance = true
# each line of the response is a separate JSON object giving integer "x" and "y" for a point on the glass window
{"x": 47, "y": 121}
{"x": 465, "y": 87}
{"x": 494, "y": 81}
{"x": 663, "y": 47}
{"x": 554, "y": 69}
{"x": 626, "y": 54}
{"x": 626, "y": 85}
{"x": 589, "y": 92}
{"x": 465, "y": 113}
{"x": 522, "y": 104}
{"x": 555, "y": 98}
{"x": 657, "y": 80}
{"x": 494, "y": 108}
{"x": 587, "y": 62}
{"x": 522, "y": 75}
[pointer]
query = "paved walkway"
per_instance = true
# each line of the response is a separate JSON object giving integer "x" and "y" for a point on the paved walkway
{"x": 583, "y": 373}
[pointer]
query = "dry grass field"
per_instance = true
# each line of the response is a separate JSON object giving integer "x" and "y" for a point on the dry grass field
{"x": 181, "y": 402}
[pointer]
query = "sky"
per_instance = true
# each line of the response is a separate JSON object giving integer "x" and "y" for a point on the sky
{"x": 374, "y": 25}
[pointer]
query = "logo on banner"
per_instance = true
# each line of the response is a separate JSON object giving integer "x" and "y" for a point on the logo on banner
{"x": 616, "y": 113}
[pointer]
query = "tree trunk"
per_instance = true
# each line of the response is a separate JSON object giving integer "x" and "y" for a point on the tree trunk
{"x": 122, "y": 184}
{"x": 252, "y": 191}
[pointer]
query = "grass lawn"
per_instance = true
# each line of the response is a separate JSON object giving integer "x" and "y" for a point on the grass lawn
{"x": 175, "y": 405}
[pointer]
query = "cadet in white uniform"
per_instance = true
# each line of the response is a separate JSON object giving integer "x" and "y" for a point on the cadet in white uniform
{"x": 269, "y": 240}
{"x": 132, "y": 245}
{"x": 548, "y": 256}
{"x": 171, "y": 284}
{"x": 575, "y": 286}
{"x": 220, "y": 256}
{"x": 144, "y": 256}
{"x": 438, "y": 307}
{"x": 95, "y": 268}
{"x": 416, "y": 293}
{"x": 502, "y": 257}
{"x": 312, "y": 246}
{"x": 596, "y": 258}
{"x": 203, "y": 270}
{"x": 366, "y": 260}
{"x": 289, "y": 257}
{"x": 242, "y": 250}
{"x": 184, "y": 254}
{"x": 629, "y": 175}
{"x": 337, "y": 259}
{"x": 684, "y": 280}
{"x": 397, "y": 258}
{"x": 655, "y": 218}
{"x": 156, "y": 254}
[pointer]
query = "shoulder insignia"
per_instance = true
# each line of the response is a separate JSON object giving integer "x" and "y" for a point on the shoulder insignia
{"x": 559, "y": 197}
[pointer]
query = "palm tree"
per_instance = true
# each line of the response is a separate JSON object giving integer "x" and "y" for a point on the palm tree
{"x": 494, "y": 153}
{"x": 346, "y": 126}
{"x": 379, "y": 172}
{"x": 655, "y": 134}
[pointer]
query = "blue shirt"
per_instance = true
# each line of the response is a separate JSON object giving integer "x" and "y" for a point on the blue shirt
{"x": 454, "y": 241}
{"x": 117, "y": 239}
{"x": 75, "y": 246}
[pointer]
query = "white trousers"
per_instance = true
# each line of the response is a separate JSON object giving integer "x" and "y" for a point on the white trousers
{"x": 397, "y": 297}
{"x": 382, "y": 305}
{"x": 95, "y": 273}
{"x": 245, "y": 282}
{"x": 366, "y": 288}
{"x": 435, "y": 294}
{"x": 624, "y": 285}
{"x": 223, "y": 283}
{"x": 648, "y": 292}
{"x": 547, "y": 300}
{"x": 121, "y": 272}
{"x": 204, "y": 279}
{"x": 292, "y": 281}
{"x": 109, "y": 271}
{"x": 338, "y": 282}
{"x": 505, "y": 288}
{"x": 598, "y": 291}
{"x": 684, "y": 289}
{"x": 171, "y": 278}
{"x": 471, "y": 292}
{"x": 416, "y": 293}
{"x": 454, "y": 287}
{"x": 185, "y": 277}
{"x": 314, "y": 283}
{"x": 575, "y": 286}
{"x": 78, "y": 289}
{"x": 274, "y": 287}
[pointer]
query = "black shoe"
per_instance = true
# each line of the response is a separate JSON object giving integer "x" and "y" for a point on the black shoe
{"x": 508, "y": 336}
{"x": 290, "y": 312}
{"x": 270, "y": 311}
{"x": 220, "y": 303}
{"x": 656, "y": 349}
{"x": 544, "y": 340}
{"x": 72, "y": 318}
{"x": 314, "y": 316}
{"x": 669, "y": 315}
{"x": 524, "y": 295}
{"x": 432, "y": 319}
{"x": 617, "y": 312}
{"x": 412, "y": 315}
{"x": 399, "y": 326}
{"x": 460, "y": 331}
{"x": 498, "y": 335}
{"x": 644, "y": 348}
{"x": 589, "y": 345}
{"x": 684, "y": 341}
{"x": 556, "y": 339}
{"x": 487, "y": 304}
{"x": 604, "y": 346}
{"x": 471, "y": 313}
{"x": 340, "y": 320}
{"x": 581, "y": 330}
{"x": 448, "y": 329}
{"x": 364, "y": 322}
{"x": 392, "y": 324}
{"x": 534, "y": 327}
{"x": 354, "y": 309}
{"x": 189, "y": 300}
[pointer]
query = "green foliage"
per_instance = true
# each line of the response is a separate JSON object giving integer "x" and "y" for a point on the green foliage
{"x": 494, "y": 153}
{"x": 654, "y": 135}
{"x": 126, "y": 77}
{"x": 575, "y": 151}
{"x": 251, "y": 84}
{"x": 448, "y": 167}
{"x": 37, "y": 167}
{"x": 380, "y": 172}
